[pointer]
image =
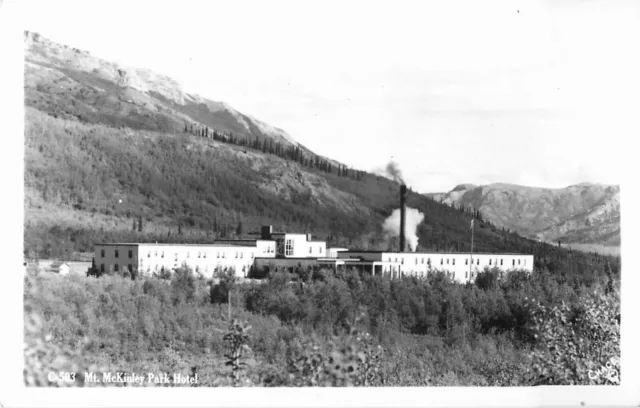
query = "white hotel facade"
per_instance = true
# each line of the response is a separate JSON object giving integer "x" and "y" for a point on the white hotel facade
{"x": 288, "y": 251}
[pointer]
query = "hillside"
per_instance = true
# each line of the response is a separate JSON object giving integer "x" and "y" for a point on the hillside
{"x": 87, "y": 180}
{"x": 579, "y": 214}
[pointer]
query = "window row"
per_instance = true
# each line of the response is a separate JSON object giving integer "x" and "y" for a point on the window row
{"x": 452, "y": 261}
{"x": 116, "y": 268}
{"x": 116, "y": 253}
{"x": 202, "y": 254}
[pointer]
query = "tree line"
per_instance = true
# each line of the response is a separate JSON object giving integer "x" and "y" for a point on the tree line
{"x": 267, "y": 145}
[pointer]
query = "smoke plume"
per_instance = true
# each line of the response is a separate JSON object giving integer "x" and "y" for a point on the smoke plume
{"x": 413, "y": 218}
{"x": 394, "y": 172}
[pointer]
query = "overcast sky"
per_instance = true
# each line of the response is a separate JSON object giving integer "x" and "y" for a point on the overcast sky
{"x": 533, "y": 93}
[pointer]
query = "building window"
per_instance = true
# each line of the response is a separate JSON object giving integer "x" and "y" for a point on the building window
{"x": 236, "y": 254}
{"x": 422, "y": 262}
{"x": 441, "y": 261}
{"x": 501, "y": 262}
{"x": 447, "y": 261}
{"x": 241, "y": 255}
{"x": 320, "y": 249}
{"x": 130, "y": 253}
{"x": 223, "y": 254}
{"x": 199, "y": 254}
{"x": 310, "y": 249}
{"x": 148, "y": 254}
{"x": 117, "y": 254}
{"x": 116, "y": 267}
{"x": 204, "y": 254}
{"x": 402, "y": 261}
{"x": 513, "y": 262}
{"x": 389, "y": 259}
{"x": 187, "y": 254}
{"x": 453, "y": 261}
{"x": 130, "y": 267}
{"x": 525, "y": 262}
{"x": 218, "y": 254}
{"x": 466, "y": 275}
{"x": 477, "y": 261}
{"x": 466, "y": 262}
{"x": 155, "y": 253}
{"x": 518, "y": 262}
{"x": 101, "y": 267}
{"x": 162, "y": 256}
{"x": 102, "y": 253}
{"x": 429, "y": 261}
{"x": 252, "y": 255}
{"x": 416, "y": 261}
{"x": 288, "y": 247}
{"x": 489, "y": 261}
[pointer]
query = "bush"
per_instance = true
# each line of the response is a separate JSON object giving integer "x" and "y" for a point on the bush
{"x": 578, "y": 344}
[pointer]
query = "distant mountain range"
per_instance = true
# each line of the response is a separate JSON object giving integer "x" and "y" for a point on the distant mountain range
{"x": 582, "y": 215}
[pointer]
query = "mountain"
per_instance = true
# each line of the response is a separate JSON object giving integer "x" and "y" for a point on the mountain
{"x": 108, "y": 158}
{"x": 583, "y": 214}
{"x": 71, "y": 83}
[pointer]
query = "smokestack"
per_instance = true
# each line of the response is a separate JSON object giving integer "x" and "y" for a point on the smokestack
{"x": 403, "y": 193}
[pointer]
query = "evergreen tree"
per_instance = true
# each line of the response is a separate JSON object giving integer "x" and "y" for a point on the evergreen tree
{"x": 140, "y": 224}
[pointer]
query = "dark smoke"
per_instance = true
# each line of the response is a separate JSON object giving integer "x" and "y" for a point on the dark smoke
{"x": 394, "y": 172}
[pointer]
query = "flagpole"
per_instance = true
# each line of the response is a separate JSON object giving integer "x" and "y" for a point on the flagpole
{"x": 471, "y": 263}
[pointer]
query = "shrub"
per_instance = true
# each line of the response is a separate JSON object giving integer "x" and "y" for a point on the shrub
{"x": 578, "y": 344}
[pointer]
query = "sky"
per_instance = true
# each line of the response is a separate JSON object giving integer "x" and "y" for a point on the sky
{"x": 534, "y": 93}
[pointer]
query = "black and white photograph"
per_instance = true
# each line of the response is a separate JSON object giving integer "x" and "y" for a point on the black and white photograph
{"x": 313, "y": 196}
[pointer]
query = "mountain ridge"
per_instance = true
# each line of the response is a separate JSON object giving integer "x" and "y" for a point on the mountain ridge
{"x": 154, "y": 101}
{"x": 582, "y": 213}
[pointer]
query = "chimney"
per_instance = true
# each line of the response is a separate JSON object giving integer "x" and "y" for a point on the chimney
{"x": 403, "y": 193}
{"x": 266, "y": 231}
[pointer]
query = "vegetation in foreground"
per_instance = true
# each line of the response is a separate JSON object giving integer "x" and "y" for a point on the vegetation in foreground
{"x": 316, "y": 328}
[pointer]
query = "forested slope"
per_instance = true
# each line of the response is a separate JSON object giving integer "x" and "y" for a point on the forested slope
{"x": 86, "y": 183}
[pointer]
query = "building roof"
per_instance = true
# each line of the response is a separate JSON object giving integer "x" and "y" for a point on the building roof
{"x": 433, "y": 253}
{"x": 248, "y": 243}
{"x": 57, "y": 265}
